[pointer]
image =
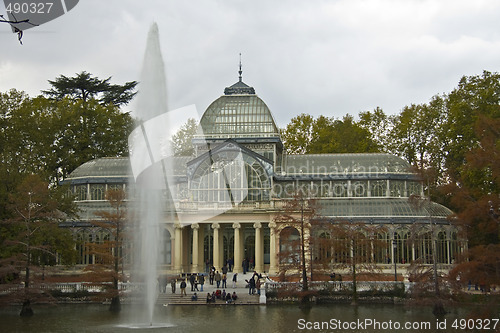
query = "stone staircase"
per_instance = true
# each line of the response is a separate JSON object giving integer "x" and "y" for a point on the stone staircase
{"x": 177, "y": 299}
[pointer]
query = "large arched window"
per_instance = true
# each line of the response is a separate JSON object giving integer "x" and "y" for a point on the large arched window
{"x": 324, "y": 252}
{"x": 442, "y": 248}
{"x": 402, "y": 253}
{"x": 81, "y": 192}
{"x": 382, "y": 248}
{"x": 230, "y": 176}
{"x": 166, "y": 249}
{"x": 97, "y": 192}
{"x": 423, "y": 248}
{"x": 454, "y": 249}
{"x": 289, "y": 246}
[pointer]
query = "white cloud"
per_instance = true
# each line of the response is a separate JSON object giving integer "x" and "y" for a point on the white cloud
{"x": 318, "y": 57}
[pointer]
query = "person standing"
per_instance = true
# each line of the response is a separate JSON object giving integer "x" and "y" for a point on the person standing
{"x": 218, "y": 278}
{"x": 212, "y": 275}
{"x": 192, "y": 281}
{"x": 251, "y": 286}
{"x": 201, "y": 279}
{"x": 172, "y": 284}
{"x": 257, "y": 285}
{"x": 196, "y": 282}
{"x": 235, "y": 278}
{"x": 183, "y": 288}
{"x": 224, "y": 280}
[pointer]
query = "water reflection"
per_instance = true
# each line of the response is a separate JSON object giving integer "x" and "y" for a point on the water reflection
{"x": 96, "y": 318}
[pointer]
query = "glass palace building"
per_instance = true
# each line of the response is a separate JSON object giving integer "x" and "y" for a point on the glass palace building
{"x": 241, "y": 148}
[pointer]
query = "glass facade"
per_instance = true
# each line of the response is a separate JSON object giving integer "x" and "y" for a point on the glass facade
{"x": 244, "y": 168}
{"x": 230, "y": 177}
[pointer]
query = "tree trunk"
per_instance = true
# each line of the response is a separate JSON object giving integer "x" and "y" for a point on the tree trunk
{"x": 438, "y": 309}
{"x": 354, "y": 277}
{"x": 115, "y": 305}
{"x": 26, "y": 310}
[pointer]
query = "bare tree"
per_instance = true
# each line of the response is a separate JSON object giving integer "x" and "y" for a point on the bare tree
{"x": 32, "y": 238}
{"x": 352, "y": 246}
{"x": 109, "y": 250}
{"x": 295, "y": 221}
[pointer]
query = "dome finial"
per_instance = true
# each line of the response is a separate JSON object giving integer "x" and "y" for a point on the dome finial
{"x": 240, "y": 71}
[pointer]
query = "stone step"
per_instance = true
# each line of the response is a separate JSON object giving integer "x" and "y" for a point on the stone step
{"x": 177, "y": 299}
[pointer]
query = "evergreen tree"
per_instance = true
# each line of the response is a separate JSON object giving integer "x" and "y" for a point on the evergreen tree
{"x": 84, "y": 86}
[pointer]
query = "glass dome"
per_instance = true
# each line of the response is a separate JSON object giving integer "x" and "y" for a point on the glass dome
{"x": 238, "y": 115}
{"x": 103, "y": 167}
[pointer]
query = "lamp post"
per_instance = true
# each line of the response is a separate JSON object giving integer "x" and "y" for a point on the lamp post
{"x": 302, "y": 230}
{"x": 395, "y": 247}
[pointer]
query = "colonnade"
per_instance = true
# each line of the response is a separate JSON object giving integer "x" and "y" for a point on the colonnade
{"x": 190, "y": 248}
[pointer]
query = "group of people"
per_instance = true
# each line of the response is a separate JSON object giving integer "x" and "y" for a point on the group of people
{"x": 254, "y": 284}
{"x": 222, "y": 295}
{"x": 197, "y": 282}
{"x": 221, "y": 279}
{"x": 229, "y": 265}
{"x": 194, "y": 281}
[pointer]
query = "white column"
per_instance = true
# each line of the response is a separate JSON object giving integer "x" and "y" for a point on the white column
{"x": 259, "y": 248}
{"x": 216, "y": 252}
{"x": 201, "y": 242}
{"x": 273, "y": 269}
{"x": 195, "y": 260}
{"x": 178, "y": 249}
{"x": 238, "y": 255}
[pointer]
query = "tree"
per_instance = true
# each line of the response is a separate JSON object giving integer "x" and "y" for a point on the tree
{"x": 295, "y": 219}
{"x": 85, "y": 132}
{"x": 340, "y": 136}
{"x": 87, "y": 120}
{"x": 33, "y": 237}
{"x": 84, "y": 87}
{"x": 415, "y": 134}
{"x": 52, "y": 138}
{"x": 109, "y": 252}
{"x": 480, "y": 265}
{"x": 10, "y": 103}
{"x": 350, "y": 245}
{"x": 297, "y": 135}
{"x": 475, "y": 96}
{"x": 470, "y": 136}
{"x": 379, "y": 125}
{"x": 427, "y": 277}
{"x": 306, "y": 135}
{"x": 182, "y": 140}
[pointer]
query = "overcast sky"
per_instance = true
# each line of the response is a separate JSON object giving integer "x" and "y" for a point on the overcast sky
{"x": 318, "y": 57}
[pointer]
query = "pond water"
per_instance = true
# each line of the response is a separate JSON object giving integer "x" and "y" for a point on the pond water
{"x": 228, "y": 318}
